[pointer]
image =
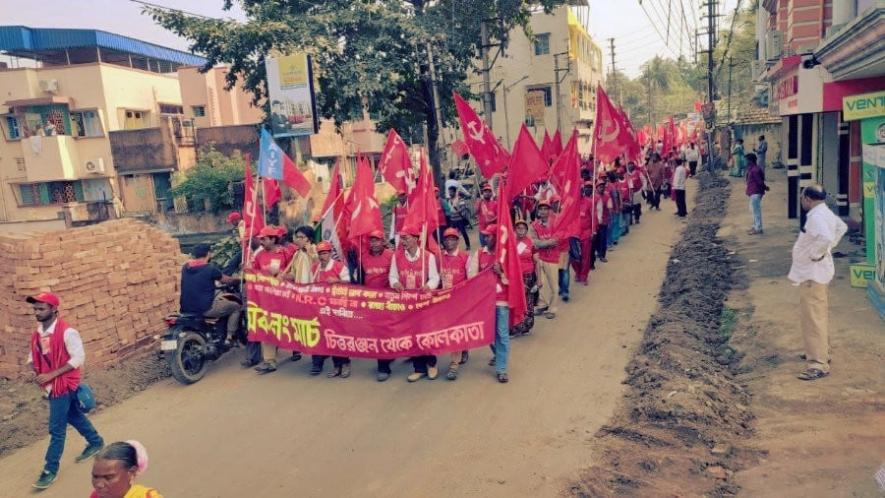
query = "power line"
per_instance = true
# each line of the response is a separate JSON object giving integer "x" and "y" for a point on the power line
{"x": 734, "y": 17}
{"x": 660, "y": 35}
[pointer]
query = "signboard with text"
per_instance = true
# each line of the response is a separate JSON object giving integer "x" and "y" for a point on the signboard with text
{"x": 291, "y": 95}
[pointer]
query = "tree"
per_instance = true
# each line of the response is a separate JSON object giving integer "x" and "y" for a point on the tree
{"x": 210, "y": 180}
{"x": 369, "y": 54}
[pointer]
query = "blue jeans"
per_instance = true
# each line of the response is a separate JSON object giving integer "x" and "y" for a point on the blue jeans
{"x": 501, "y": 346}
{"x": 64, "y": 410}
{"x": 756, "y": 210}
{"x": 614, "y": 229}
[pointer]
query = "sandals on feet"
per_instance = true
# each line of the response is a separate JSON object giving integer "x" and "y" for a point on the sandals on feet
{"x": 336, "y": 372}
{"x": 452, "y": 374}
{"x": 503, "y": 379}
{"x": 464, "y": 357}
{"x": 492, "y": 362}
{"x": 265, "y": 368}
{"x": 812, "y": 374}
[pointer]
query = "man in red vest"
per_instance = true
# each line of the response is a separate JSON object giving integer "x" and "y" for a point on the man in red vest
{"x": 549, "y": 252}
{"x": 414, "y": 268}
{"x": 329, "y": 271}
{"x": 501, "y": 346}
{"x": 375, "y": 274}
{"x": 453, "y": 267}
{"x": 57, "y": 355}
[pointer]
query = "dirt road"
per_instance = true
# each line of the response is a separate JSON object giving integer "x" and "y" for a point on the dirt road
{"x": 235, "y": 434}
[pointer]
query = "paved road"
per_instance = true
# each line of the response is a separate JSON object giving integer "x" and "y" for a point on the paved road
{"x": 235, "y": 434}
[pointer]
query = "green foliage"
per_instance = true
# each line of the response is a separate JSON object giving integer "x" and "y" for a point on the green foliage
{"x": 369, "y": 54}
{"x": 224, "y": 250}
{"x": 210, "y": 180}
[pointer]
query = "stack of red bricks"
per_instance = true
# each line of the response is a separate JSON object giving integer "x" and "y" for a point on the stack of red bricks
{"x": 116, "y": 280}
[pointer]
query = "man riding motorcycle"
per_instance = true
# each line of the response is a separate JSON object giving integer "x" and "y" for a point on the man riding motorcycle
{"x": 198, "y": 297}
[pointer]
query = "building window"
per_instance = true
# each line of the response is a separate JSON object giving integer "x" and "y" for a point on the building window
{"x": 86, "y": 124}
{"x": 171, "y": 109}
{"x": 13, "y": 132}
{"x": 50, "y": 193}
{"x": 199, "y": 110}
{"x": 135, "y": 120}
{"x": 548, "y": 94}
{"x": 542, "y": 44}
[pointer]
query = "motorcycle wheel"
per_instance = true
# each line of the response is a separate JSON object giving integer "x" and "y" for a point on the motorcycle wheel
{"x": 187, "y": 362}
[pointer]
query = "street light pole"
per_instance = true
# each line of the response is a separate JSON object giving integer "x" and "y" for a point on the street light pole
{"x": 506, "y": 89}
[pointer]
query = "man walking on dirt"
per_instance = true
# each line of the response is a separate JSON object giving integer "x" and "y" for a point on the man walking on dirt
{"x": 812, "y": 270}
{"x": 56, "y": 356}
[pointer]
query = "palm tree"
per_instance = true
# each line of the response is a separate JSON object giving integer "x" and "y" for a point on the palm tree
{"x": 655, "y": 77}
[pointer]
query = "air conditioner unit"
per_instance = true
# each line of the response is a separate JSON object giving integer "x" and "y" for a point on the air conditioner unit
{"x": 95, "y": 166}
{"x": 49, "y": 86}
{"x": 774, "y": 45}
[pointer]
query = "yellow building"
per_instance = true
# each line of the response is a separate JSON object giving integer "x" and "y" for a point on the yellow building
{"x": 208, "y": 103}
{"x": 64, "y": 94}
{"x": 525, "y": 79}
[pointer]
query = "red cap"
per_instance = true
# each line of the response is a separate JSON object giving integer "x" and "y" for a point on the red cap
{"x": 44, "y": 297}
{"x": 324, "y": 246}
{"x": 281, "y": 231}
{"x": 376, "y": 234}
{"x": 588, "y": 183}
{"x": 269, "y": 231}
{"x": 234, "y": 217}
{"x": 521, "y": 221}
{"x": 487, "y": 187}
{"x": 491, "y": 229}
{"x": 410, "y": 230}
{"x": 451, "y": 232}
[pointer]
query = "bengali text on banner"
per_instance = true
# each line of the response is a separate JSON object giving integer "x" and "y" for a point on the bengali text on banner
{"x": 354, "y": 321}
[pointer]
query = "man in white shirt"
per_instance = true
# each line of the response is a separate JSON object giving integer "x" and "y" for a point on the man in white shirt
{"x": 679, "y": 176}
{"x": 692, "y": 156}
{"x": 812, "y": 270}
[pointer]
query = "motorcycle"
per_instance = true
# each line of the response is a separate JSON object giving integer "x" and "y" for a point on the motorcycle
{"x": 192, "y": 341}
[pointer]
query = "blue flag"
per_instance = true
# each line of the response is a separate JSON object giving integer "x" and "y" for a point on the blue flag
{"x": 270, "y": 158}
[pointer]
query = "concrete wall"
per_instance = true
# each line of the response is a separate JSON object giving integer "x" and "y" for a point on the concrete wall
{"x": 116, "y": 280}
{"x": 223, "y": 107}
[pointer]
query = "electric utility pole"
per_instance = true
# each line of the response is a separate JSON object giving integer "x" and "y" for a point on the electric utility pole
{"x": 557, "y": 80}
{"x": 615, "y": 88}
{"x": 710, "y": 110}
{"x": 486, "y": 74}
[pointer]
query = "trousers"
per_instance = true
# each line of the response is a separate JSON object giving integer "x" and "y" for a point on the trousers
{"x": 679, "y": 196}
{"x": 756, "y": 211}
{"x": 64, "y": 410}
{"x": 548, "y": 274}
{"x": 813, "y": 320}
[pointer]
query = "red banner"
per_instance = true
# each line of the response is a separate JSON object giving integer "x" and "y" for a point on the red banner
{"x": 358, "y": 322}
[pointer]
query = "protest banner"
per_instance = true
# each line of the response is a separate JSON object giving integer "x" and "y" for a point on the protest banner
{"x": 358, "y": 322}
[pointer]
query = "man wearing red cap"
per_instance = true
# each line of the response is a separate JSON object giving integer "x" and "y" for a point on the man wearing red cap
{"x": 270, "y": 259}
{"x": 414, "y": 268}
{"x": 549, "y": 253}
{"x": 453, "y": 268}
{"x": 486, "y": 212}
{"x": 57, "y": 355}
{"x": 374, "y": 273}
{"x": 329, "y": 271}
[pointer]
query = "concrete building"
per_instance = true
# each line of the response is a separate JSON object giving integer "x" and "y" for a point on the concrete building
{"x": 207, "y": 102}
{"x": 525, "y": 83}
{"x": 820, "y": 60}
{"x": 65, "y": 95}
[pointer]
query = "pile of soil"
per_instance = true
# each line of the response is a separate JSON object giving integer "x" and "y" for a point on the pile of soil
{"x": 24, "y": 411}
{"x": 678, "y": 429}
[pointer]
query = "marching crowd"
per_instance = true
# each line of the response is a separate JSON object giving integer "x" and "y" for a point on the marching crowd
{"x": 609, "y": 206}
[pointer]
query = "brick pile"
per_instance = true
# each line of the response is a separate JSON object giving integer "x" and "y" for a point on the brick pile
{"x": 116, "y": 280}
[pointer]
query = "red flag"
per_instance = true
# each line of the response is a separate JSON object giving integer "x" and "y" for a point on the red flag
{"x": 567, "y": 178}
{"x": 546, "y": 149}
{"x": 611, "y": 137}
{"x": 556, "y": 142}
{"x": 294, "y": 178}
{"x": 272, "y": 192}
{"x": 423, "y": 203}
{"x": 253, "y": 216}
{"x": 506, "y": 255}
{"x": 484, "y": 147}
{"x": 395, "y": 165}
{"x": 460, "y": 148}
{"x": 527, "y": 164}
{"x": 365, "y": 213}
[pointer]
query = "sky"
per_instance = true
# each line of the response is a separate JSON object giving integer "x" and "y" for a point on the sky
{"x": 636, "y": 37}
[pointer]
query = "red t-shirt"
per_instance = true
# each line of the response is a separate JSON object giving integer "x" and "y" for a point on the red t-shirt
{"x": 399, "y": 217}
{"x": 545, "y": 232}
{"x": 376, "y": 269}
{"x": 332, "y": 275}
{"x": 272, "y": 262}
{"x": 486, "y": 212}
{"x": 453, "y": 268}
{"x": 486, "y": 260}
{"x": 586, "y": 214}
{"x": 525, "y": 248}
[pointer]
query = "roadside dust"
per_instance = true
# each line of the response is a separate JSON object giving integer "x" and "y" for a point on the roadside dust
{"x": 24, "y": 411}
{"x": 684, "y": 417}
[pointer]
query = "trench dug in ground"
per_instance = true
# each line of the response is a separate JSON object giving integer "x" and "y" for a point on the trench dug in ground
{"x": 683, "y": 425}
{"x": 23, "y": 410}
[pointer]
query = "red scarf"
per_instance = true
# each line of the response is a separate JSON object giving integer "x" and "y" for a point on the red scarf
{"x": 58, "y": 356}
